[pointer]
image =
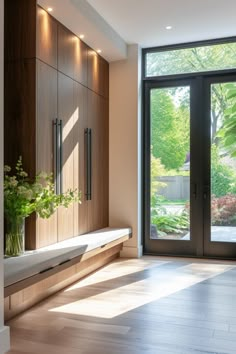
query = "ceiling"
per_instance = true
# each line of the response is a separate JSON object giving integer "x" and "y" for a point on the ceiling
{"x": 144, "y": 21}
{"x": 110, "y": 24}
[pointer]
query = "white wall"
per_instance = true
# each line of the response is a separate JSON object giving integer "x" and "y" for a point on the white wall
{"x": 4, "y": 333}
{"x": 125, "y": 147}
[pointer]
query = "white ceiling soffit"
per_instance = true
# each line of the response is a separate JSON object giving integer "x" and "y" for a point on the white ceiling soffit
{"x": 145, "y": 21}
{"x": 81, "y": 18}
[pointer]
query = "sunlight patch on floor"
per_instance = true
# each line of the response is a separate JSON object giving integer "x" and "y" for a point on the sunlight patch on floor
{"x": 113, "y": 271}
{"x": 121, "y": 299}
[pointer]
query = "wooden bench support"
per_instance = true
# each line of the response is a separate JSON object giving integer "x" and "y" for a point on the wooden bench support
{"x": 28, "y": 292}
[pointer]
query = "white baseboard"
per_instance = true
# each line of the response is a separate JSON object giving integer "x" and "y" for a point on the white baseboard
{"x": 131, "y": 252}
{"x": 4, "y": 340}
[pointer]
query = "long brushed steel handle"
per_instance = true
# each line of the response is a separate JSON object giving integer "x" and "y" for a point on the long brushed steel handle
{"x": 56, "y": 177}
{"x": 88, "y": 163}
{"x": 60, "y": 157}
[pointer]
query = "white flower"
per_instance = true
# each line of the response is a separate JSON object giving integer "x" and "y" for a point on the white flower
{"x": 7, "y": 168}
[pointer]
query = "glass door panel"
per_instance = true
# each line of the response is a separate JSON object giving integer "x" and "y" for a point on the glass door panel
{"x": 223, "y": 162}
{"x": 220, "y": 168}
{"x": 170, "y": 189}
{"x": 170, "y": 163}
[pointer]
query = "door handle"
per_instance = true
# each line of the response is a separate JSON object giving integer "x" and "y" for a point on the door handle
{"x": 195, "y": 190}
{"x": 206, "y": 189}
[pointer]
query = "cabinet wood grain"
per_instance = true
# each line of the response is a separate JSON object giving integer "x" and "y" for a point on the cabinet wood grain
{"x": 93, "y": 70}
{"x": 98, "y": 122}
{"x": 66, "y": 113}
{"x": 81, "y": 123}
{"x": 66, "y": 51}
{"x": 46, "y": 113}
{"x": 20, "y": 29}
{"x": 80, "y": 62}
{"x": 46, "y": 38}
{"x": 50, "y": 73}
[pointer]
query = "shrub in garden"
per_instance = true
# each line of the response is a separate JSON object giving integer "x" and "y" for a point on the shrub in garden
{"x": 165, "y": 222}
{"x": 223, "y": 177}
{"x": 223, "y": 210}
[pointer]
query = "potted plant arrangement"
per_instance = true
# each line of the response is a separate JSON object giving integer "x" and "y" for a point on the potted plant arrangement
{"x": 22, "y": 197}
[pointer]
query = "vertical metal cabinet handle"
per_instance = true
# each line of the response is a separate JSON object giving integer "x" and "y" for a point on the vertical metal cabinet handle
{"x": 60, "y": 152}
{"x": 90, "y": 164}
{"x": 58, "y": 155}
{"x": 55, "y": 125}
{"x": 87, "y": 134}
{"x": 86, "y": 140}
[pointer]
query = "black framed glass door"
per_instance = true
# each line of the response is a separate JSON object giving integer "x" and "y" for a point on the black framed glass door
{"x": 220, "y": 167}
{"x": 190, "y": 176}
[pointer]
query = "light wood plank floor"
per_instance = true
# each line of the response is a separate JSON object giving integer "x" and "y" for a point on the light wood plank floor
{"x": 153, "y": 305}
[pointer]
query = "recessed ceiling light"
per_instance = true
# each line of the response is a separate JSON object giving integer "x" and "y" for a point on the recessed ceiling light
{"x": 81, "y": 36}
{"x": 99, "y": 51}
{"x": 168, "y": 27}
{"x": 50, "y": 9}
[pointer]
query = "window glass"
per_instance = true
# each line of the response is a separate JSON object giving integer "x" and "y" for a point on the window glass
{"x": 190, "y": 60}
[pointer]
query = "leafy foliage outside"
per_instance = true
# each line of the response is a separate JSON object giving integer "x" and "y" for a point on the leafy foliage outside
{"x": 223, "y": 177}
{"x": 223, "y": 210}
{"x": 228, "y": 131}
{"x": 168, "y": 223}
{"x": 170, "y": 132}
{"x": 170, "y": 129}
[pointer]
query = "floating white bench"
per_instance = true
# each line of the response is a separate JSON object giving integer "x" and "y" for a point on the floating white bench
{"x": 38, "y": 274}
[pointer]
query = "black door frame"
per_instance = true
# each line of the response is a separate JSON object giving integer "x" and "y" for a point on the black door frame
{"x": 212, "y": 249}
{"x": 200, "y": 105}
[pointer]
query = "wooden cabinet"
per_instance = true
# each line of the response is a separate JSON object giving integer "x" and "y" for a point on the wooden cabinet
{"x": 51, "y": 74}
{"x": 72, "y": 55}
{"x": 98, "y": 122}
{"x": 66, "y": 112}
{"x": 46, "y": 38}
{"x": 98, "y": 74}
{"x": 46, "y": 113}
{"x": 81, "y": 124}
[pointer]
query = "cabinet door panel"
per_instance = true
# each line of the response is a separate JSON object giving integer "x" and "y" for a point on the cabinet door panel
{"x": 80, "y": 104}
{"x": 72, "y": 55}
{"x": 46, "y": 229}
{"x": 98, "y": 74}
{"x": 98, "y": 122}
{"x": 46, "y": 38}
{"x": 93, "y": 70}
{"x": 80, "y": 61}
{"x": 66, "y": 112}
{"x": 103, "y": 78}
{"x": 104, "y": 160}
{"x": 93, "y": 204}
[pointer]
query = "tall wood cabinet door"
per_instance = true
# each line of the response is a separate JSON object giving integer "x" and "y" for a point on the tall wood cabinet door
{"x": 93, "y": 204}
{"x": 103, "y": 78}
{"x": 97, "y": 121}
{"x": 46, "y": 229}
{"x": 46, "y": 38}
{"x": 93, "y": 70}
{"x": 67, "y": 46}
{"x": 80, "y": 125}
{"x": 103, "y": 129}
{"x": 66, "y": 112}
{"x": 80, "y": 61}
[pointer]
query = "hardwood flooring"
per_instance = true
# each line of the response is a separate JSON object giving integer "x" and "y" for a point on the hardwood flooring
{"x": 153, "y": 305}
